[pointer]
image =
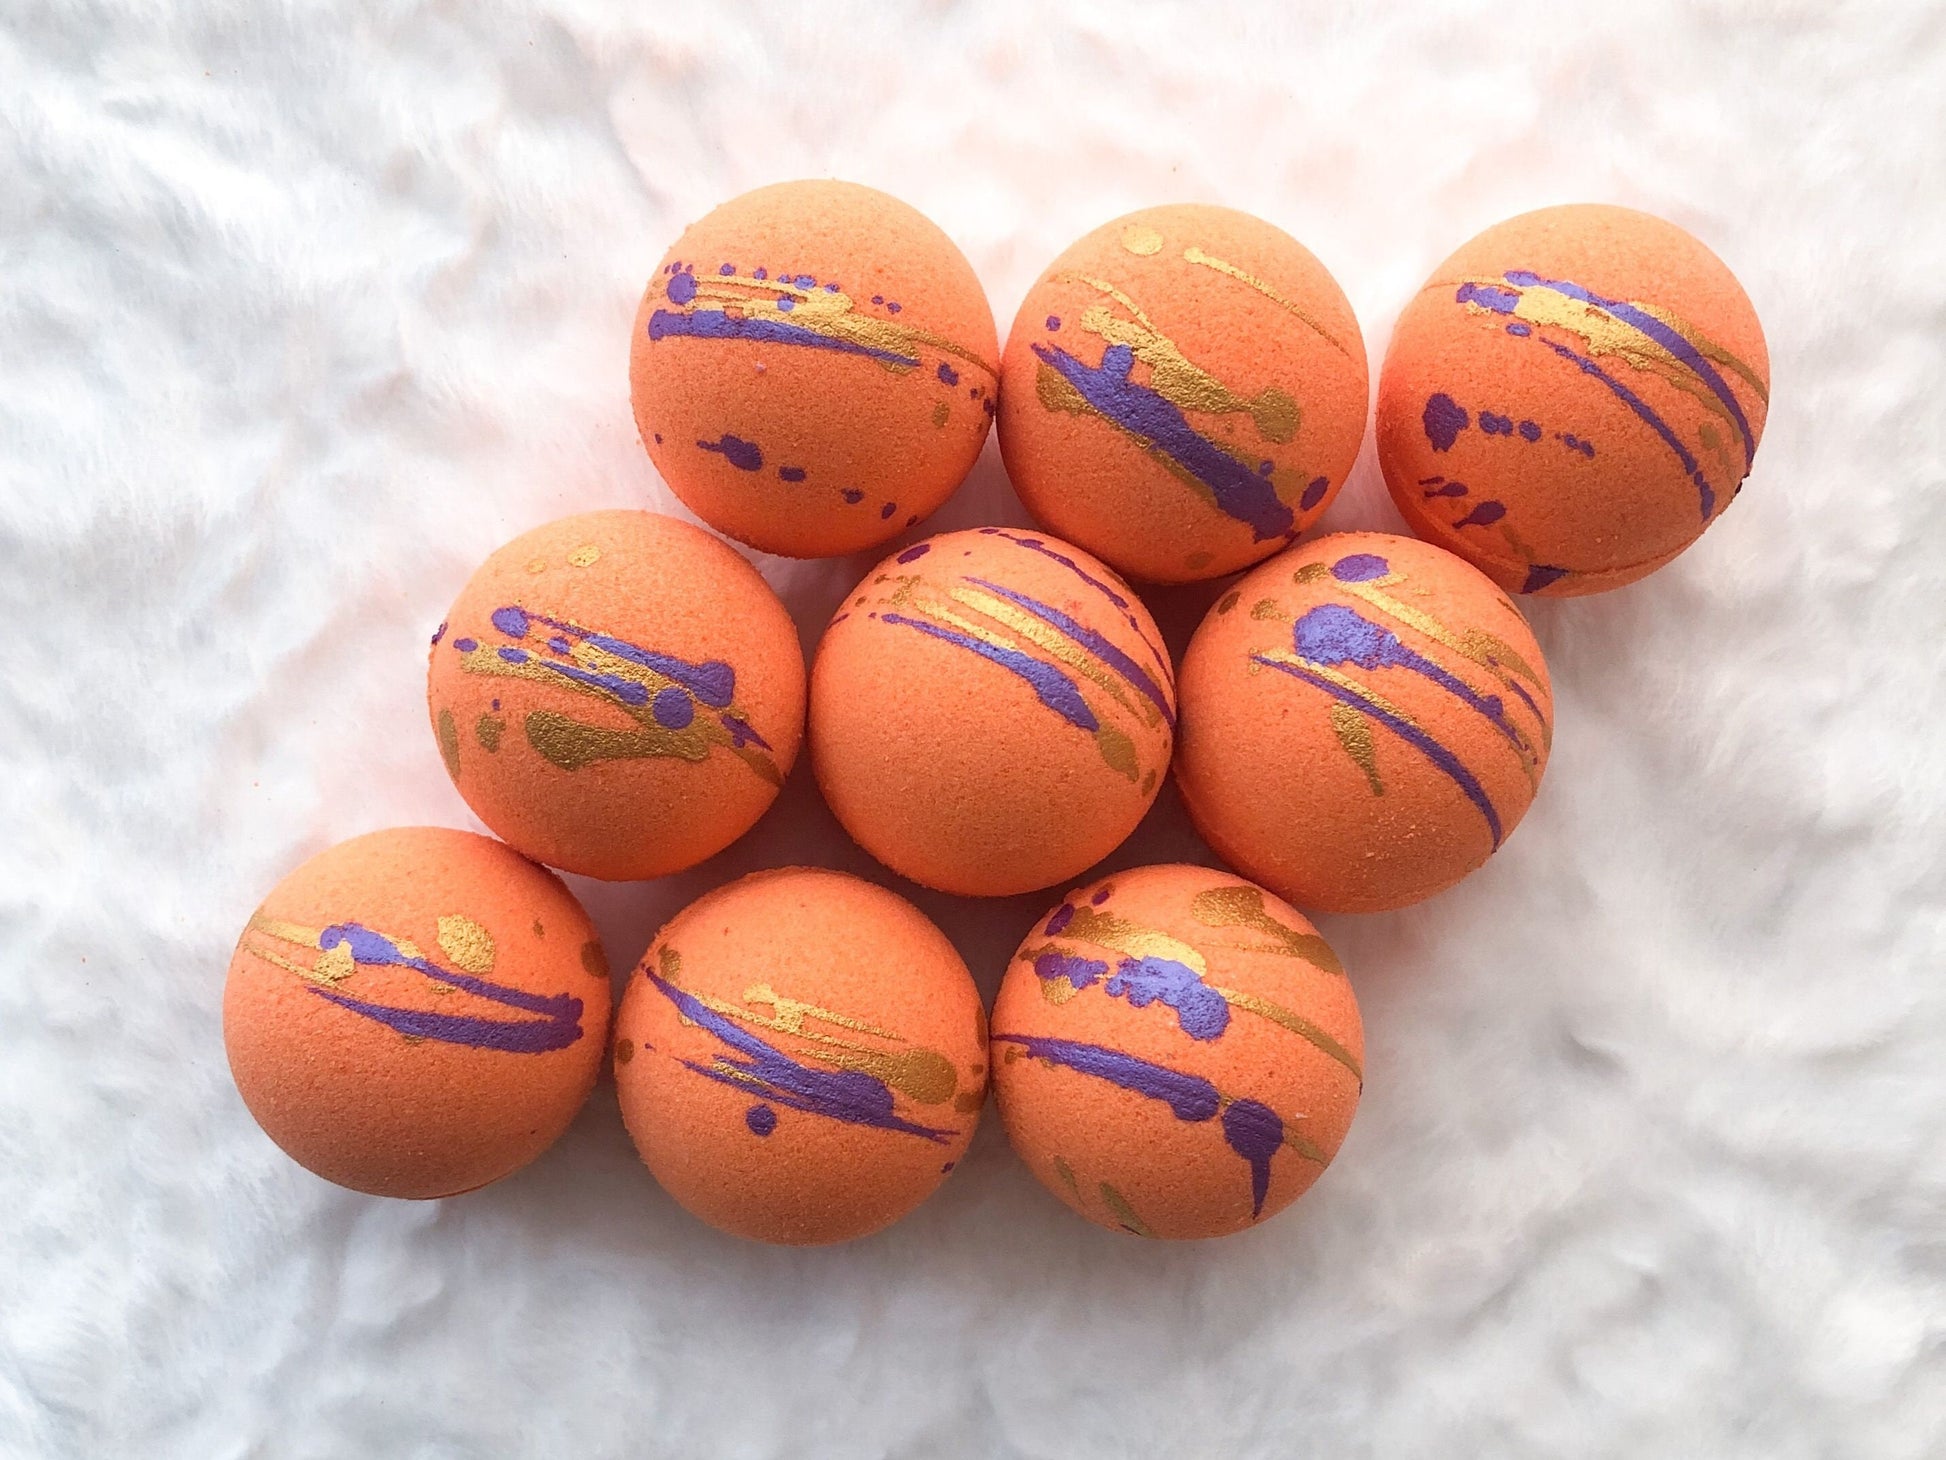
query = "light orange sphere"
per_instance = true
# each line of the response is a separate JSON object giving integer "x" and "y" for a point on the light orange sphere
{"x": 1365, "y": 721}
{"x": 416, "y": 1012}
{"x": 1176, "y": 1052}
{"x": 992, "y": 711}
{"x": 1572, "y": 398}
{"x": 618, "y": 694}
{"x": 814, "y": 368}
{"x": 801, "y": 1056}
{"x": 1183, "y": 392}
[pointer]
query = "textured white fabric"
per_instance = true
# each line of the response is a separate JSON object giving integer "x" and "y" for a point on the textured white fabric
{"x": 305, "y": 307}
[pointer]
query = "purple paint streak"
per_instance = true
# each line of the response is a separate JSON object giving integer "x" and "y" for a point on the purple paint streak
{"x": 947, "y": 374}
{"x": 1539, "y": 575}
{"x": 1036, "y": 545}
{"x": 1190, "y": 1097}
{"x": 1642, "y": 409}
{"x": 714, "y": 324}
{"x": 1360, "y": 568}
{"x": 741, "y": 454}
{"x": 791, "y": 473}
{"x": 1256, "y": 1133}
{"x": 851, "y": 1096}
{"x": 559, "y": 1026}
{"x": 1484, "y": 514}
{"x": 1093, "y": 642}
{"x": 1314, "y": 493}
{"x": 915, "y": 552}
{"x": 1154, "y": 420}
{"x": 1443, "y": 420}
{"x": 1053, "y": 688}
{"x": 1081, "y": 973}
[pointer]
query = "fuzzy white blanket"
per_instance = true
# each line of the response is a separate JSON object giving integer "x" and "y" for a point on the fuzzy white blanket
{"x": 304, "y": 307}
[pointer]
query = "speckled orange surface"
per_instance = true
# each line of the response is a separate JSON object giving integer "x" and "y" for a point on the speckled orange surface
{"x": 1176, "y": 1052}
{"x": 814, "y": 367}
{"x": 1183, "y": 392}
{"x": 618, "y": 694}
{"x": 801, "y": 1057}
{"x": 1365, "y": 720}
{"x": 992, "y": 711}
{"x": 416, "y": 1012}
{"x": 1572, "y": 398}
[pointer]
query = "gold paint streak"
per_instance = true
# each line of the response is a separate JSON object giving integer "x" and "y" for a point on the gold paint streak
{"x": 467, "y": 943}
{"x": 1194, "y": 255}
{"x": 1306, "y": 1147}
{"x": 1066, "y": 1173}
{"x": 1056, "y": 392}
{"x": 1346, "y": 683}
{"x": 669, "y": 961}
{"x": 487, "y": 730}
{"x": 594, "y": 959}
{"x": 831, "y": 314}
{"x": 1044, "y": 636}
{"x": 1124, "y": 1213}
{"x": 585, "y": 556}
{"x": 1297, "y": 1024}
{"x": 1118, "y": 750}
{"x": 1056, "y": 991}
{"x": 286, "y": 932}
{"x": 1243, "y": 907}
{"x": 925, "y": 1075}
{"x": 1141, "y": 240}
{"x": 1229, "y": 601}
{"x": 539, "y": 931}
{"x": 1148, "y": 781}
{"x": 572, "y": 745}
{"x": 941, "y": 413}
{"x": 1264, "y": 608}
{"x": 1107, "y": 930}
{"x": 1355, "y": 738}
{"x": 537, "y": 565}
{"x": 449, "y": 743}
{"x": 1310, "y": 573}
{"x": 624, "y": 1051}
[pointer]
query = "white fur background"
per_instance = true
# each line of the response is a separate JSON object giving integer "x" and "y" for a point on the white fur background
{"x": 306, "y": 307}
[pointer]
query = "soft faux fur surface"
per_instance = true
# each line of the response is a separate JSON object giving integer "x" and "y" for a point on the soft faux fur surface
{"x": 305, "y": 307}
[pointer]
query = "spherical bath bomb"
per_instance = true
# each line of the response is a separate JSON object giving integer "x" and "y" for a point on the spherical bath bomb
{"x": 1365, "y": 720}
{"x": 619, "y": 694}
{"x": 814, "y": 368}
{"x": 1176, "y": 1053}
{"x": 992, "y": 711}
{"x": 416, "y": 1012}
{"x": 1183, "y": 392}
{"x": 1573, "y": 397}
{"x": 801, "y": 1057}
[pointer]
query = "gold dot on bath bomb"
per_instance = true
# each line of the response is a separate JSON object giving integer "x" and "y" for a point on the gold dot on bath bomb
{"x": 538, "y": 565}
{"x": 585, "y": 556}
{"x": 624, "y": 1051}
{"x": 593, "y": 959}
{"x": 1139, "y": 238}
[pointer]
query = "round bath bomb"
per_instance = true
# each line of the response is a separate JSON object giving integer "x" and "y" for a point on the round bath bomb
{"x": 1176, "y": 1053}
{"x": 814, "y": 368}
{"x": 416, "y": 1012}
{"x": 1183, "y": 393}
{"x": 1365, "y": 720}
{"x": 801, "y": 1057}
{"x": 618, "y": 694}
{"x": 992, "y": 711}
{"x": 1573, "y": 397}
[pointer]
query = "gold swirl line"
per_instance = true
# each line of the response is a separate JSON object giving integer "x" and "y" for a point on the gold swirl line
{"x": 1195, "y": 255}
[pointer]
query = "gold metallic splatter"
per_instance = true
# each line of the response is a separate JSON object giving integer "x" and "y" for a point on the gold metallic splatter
{"x": 487, "y": 730}
{"x": 669, "y": 962}
{"x": 449, "y": 743}
{"x": 1354, "y": 734}
{"x": 1110, "y": 930}
{"x": 539, "y": 931}
{"x": 1065, "y": 1173}
{"x": 594, "y": 958}
{"x": 624, "y": 1051}
{"x": 1194, "y": 255}
{"x": 968, "y": 1101}
{"x": 1229, "y": 601}
{"x": 1124, "y": 1213}
{"x": 466, "y": 943}
{"x": 1264, "y": 608}
{"x": 1049, "y": 639}
{"x": 585, "y": 556}
{"x": 1296, "y": 1023}
{"x": 1242, "y": 906}
{"x": 941, "y": 413}
{"x": 1141, "y": 240}
{"x": 537, "y": 565}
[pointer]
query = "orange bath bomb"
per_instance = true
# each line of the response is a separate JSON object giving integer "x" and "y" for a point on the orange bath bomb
{"x": 1183, "y": 392}
{"x": 1365, "y": 720}
{"x": 801, "y": 1057}
{"x": 1572, "y": 398}
{"x": 992, "y": 711}
{"x": 416, "y": 1012}
{"x": 813, "y": 368}
{"x": 619, "y": 694}
{"x": 1176, "y": 1053}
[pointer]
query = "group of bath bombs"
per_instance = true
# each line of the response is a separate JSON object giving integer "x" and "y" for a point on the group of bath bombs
{"x": 1360, "y": 721}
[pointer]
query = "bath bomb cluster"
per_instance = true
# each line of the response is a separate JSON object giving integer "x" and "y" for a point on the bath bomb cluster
{"x": 1365, "y": 721}
{"x": 801, "y": 1057}
{"x": 1572, "y": 398}
{"x": 992, "y": 711}
{"x": 617, "y": 694}
{"x": 416, "y": 1012}
{"x": 1183, "y": 392}
{"x": 1176, "y": 1053}
{"x": 814, "y": 368}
